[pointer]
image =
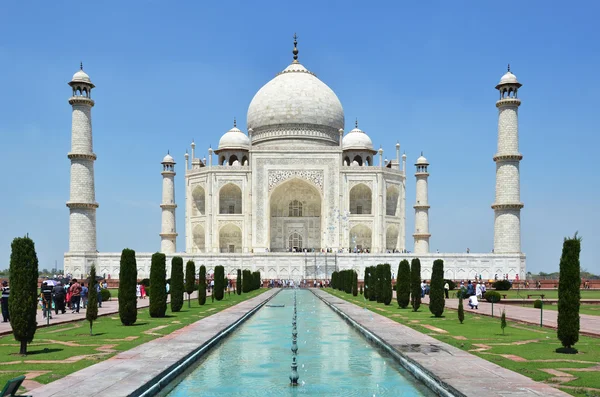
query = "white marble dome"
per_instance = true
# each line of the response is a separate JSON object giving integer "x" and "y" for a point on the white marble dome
{"x": 296, "y": 97}
{"x": 168, "y": 159}
{"x": 422, "y": 161}
{"x": 508, "y": 78}
{"x": 358, "y": 140}
{"x": 234, "y": 139}
{"x": 81, "y": 77}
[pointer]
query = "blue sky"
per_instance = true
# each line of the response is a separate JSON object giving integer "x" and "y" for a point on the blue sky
{"x": 422, "y": 73}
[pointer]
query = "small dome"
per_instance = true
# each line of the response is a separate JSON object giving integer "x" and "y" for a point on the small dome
{"x": 422, "y": 161}
{"x": 358, "y": 140}
{"x": 234, "y": 139}
{"x": 81, "y": 77}
{"x": 508, "y": 78}
{"x": 168, "y": 160}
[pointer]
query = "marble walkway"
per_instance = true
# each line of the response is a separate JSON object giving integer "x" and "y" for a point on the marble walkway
{"x": 130, "y": 370}
{"x": 457, "y": 369}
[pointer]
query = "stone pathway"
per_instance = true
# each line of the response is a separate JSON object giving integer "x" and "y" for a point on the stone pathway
{"x": 125, "y": 373}
{"x": 456, "y": 368}
{"x": 108, "y": 307}
{"x": 589, "y": 325}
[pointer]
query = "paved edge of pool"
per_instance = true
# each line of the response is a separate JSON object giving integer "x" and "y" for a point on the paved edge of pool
{"x": 147, "y": 369}
{"x": 445, "y": 369}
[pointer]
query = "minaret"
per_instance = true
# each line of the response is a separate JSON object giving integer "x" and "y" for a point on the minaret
{"x": 168, "y": 233}
{"x": 507, "y": 206}
{"x": 421, "y": 208}
{"x": 82, "y": 201}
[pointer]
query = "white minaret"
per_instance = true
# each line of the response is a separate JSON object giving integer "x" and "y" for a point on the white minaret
{"x": 421, "y": 208}
{"x": 507, "y": 206}
{"x": 82, "y": 200}
{"x": 168, "y": 234}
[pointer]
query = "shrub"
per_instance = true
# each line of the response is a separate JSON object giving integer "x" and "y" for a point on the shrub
{"x": 361, "y": 290}
{"x": 461, "y": 310}
{"x": 202, "y": 285}
{"x": 190, "y": 279}
{"x": 537, "y": 304}
{"x": 22, "y": 304}
{"x": 501, "y": 285}
{"x": 238, "y": 282}
{"x": 403, "y": 284}
{"x": 91, "y": 313}
{"x": 415, "y": 284}
{"x": 451, "y": 284}
{"x": 493, "y": 296}
{"x": 246, "y": 281}
{"x": 436, "y": 293}
{"x": 177, "y": 286}
{"x": 127, "y": 287}
{"x": 387, "y": 284}
{"x": 106, "y": 295}
{"x": 354, "y": 283}
{"x": 158, "y": 291}
{"x": 366, "y": 283}
{"x": 219, "y": 287}
{"x": 145, "y": 282}
{"x": 503, "y": 321}
{"x": 373, "y": 283}
{"x": 569, "y": 295}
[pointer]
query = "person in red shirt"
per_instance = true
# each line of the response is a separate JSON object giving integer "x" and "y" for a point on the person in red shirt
{"x": 75, "y": 296}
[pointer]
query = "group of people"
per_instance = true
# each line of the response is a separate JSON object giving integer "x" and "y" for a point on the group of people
{"x": 72, "y": 295}
{"x": 474, "y": 291}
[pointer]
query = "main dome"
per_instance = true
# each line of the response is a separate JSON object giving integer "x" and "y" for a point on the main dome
{"x": 295, "y": 105}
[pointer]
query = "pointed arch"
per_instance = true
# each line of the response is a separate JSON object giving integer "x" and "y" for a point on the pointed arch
{"x": 199, "y": 238}
{"x": 392, "y": 196}
{"x": 230, "y": 199}
{"x": 198, "y": 201}
{"x": 361, "y": 199}
{"x": 230, "y": 239}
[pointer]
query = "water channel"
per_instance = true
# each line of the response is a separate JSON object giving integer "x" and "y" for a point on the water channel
{"x": 333, "y": 358}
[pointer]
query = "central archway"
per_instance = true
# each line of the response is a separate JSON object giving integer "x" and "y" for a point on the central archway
{"x": 295, "y": 217}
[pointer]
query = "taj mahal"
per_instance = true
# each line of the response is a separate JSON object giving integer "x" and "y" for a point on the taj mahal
{"x": 296, "y": 195}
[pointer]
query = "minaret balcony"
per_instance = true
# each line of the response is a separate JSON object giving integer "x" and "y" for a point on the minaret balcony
{"x": 81, "y": 100}
{"x": 422, "y": 235}
{"x": 421, "y": 206}
{"x": 84, "y": 156}
{"x": 168, "y": 206}
{"x": 73, "y": 204}
{"x": 508, "y": 157}
{"x": 507, "y": 206}
{"x": 508, "y": 102}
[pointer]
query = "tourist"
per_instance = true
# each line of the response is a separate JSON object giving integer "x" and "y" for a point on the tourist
{"x": 138, "y": 291}
{"x": 473, "y": 302}
{"x": 423, "y": 286}
{"x": 68, "y": 297}
{"x": 483, "y": 289}
{"x": 143, "y": 291}
{"x": 5, "y": 295}
{"x": 446, "y": 289}
{"x": 99, "y": 294}
{"x": 470, "y": 289}
{"x": 46, "y": 297}
{"x": 59, "y": 298}
{"x": 75, "y": 296}
{"x": 478, "y": 291}
{"x": 84, "y": 295}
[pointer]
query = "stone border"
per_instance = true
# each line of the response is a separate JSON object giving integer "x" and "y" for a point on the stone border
{"x": 135, "y": 372}
{"x": 455, "y": 371}
{"x": 430, "y": 380}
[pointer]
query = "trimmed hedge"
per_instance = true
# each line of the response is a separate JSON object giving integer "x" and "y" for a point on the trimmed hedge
{"x": 127, "y": 287}
{"x": 91, "y": 312}
{"x": 158, "y": 289}
{"x": 501, "y": 285}
{"x": 436, "y": 293}
{"x": 493, "y": 296}
{"x": 537, "y": 304}
{"x": 219, "y": 281}
{"x": 451, "y": 284}
{"x": 238, "y": 282}
{"x": 415, "y": 284}
{"x": 569, "y": 295}
{"x": 403, "y": 284}
{"x": 177, "y": 286}
{"x": 202, "y": 285}
{"x": 190, "y": 279}
{"x": 106, "y": 295}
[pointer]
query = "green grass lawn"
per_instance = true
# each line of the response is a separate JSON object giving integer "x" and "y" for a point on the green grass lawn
{"x": 66, "y": 348}
{"x": 548, "y": 294}
{"x": 482, "y": 336}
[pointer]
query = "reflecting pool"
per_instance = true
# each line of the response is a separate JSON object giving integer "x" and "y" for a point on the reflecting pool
{"x": 333, "y": 358}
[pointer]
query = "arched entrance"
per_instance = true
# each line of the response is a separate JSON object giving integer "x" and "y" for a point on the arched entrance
{"x": 295, "y": 217}
{"x": 230, "y": 239}
{"x": 360, "y": 238}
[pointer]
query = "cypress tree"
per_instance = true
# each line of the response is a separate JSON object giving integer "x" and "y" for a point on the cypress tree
{"x": 176, "y": 284}
{"x": 202, "y": 285}
{"x": 366, "y": 283}
{"x": 461, "y": 310}
{"x": 415, "y": 283}
{"x": 372, "y": 283}
{"x": 158, "y": 285}
{"x": 403, "y": 284}
{"x": 246, "y": 284}
{"x": 387, "y": 284}
{"x": 436, "y": 293}
{"x": 22, "y": 302}
{"x": 503, "y": 321}
{"x": 91, "y": 313}
{"x": 569, "y": 295}
{"x": 127, "y": 287}
{"x": 380, "y": 282}
{"x": 190, "y": 279}
{"x": 219, "y": 276}
{"x": 354, "y": 283}
{"x": 238, "y": 282}
{"x": 333, "y": 279}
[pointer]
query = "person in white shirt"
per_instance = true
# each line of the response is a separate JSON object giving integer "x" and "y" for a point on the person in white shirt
{"x": 473, "y": 302}
{"x": 478, "y": 291}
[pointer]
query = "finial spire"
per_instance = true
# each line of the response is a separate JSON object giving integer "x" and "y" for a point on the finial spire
{"x": 168, "y": 152}
{"x": 234, "y": 123}
{"x": 421, "y": 152}
{"x": 80, "y": 65}
{"x": 356, "y": 123}
{"x": 295, "y": 52}
{"x": 509, "y": 67}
